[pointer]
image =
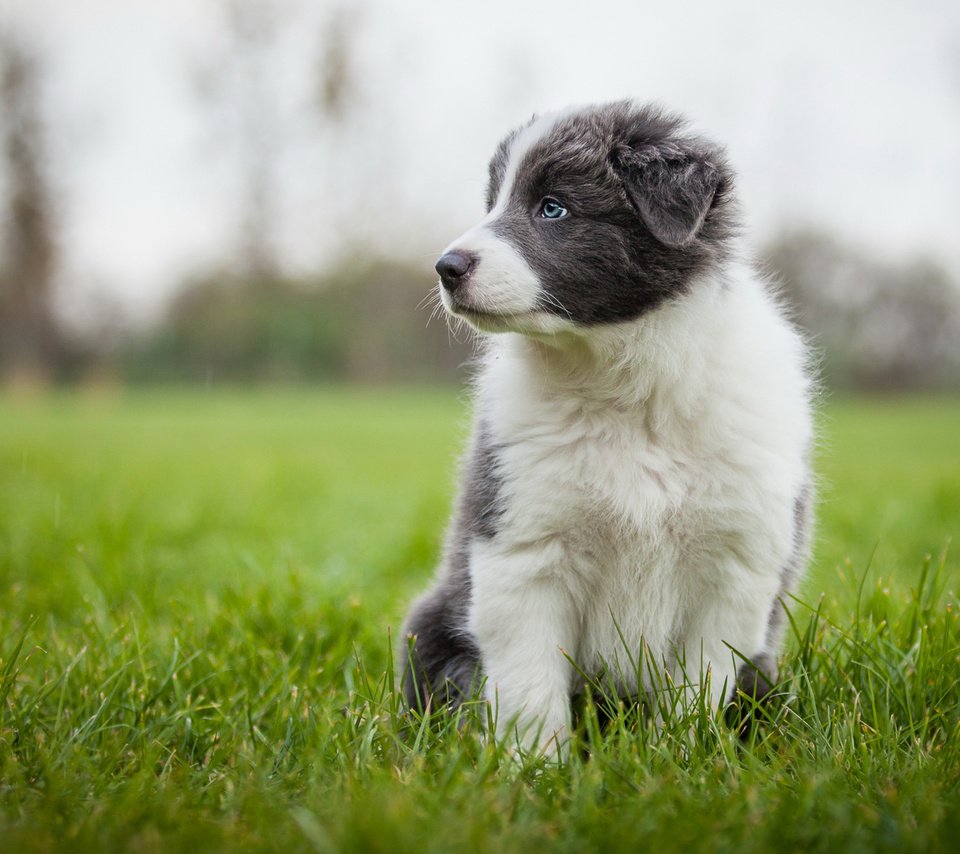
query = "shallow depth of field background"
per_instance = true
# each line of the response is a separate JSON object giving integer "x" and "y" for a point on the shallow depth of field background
{"x": 229, "y": 426}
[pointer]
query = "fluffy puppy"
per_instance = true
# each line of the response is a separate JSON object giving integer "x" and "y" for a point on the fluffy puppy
{"x": 637, "y": 483}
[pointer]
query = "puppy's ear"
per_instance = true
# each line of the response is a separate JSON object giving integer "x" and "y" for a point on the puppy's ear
{"x": 672, "y": 186}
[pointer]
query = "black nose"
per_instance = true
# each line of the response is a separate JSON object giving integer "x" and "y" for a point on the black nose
{"x": 453, "y": 268}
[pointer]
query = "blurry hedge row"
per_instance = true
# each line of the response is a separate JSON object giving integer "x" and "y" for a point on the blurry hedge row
{"x": 874, "y": 326}
{"x": 366, "y": 324}
{"x": 877, "y": 327}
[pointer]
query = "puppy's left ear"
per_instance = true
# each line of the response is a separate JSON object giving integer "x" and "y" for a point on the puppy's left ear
{"x": 672, "y": 186}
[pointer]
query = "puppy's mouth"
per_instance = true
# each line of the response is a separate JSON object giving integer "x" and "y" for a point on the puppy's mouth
{"x": 490, "y": 321}
{"x": 482, "y": 318}
{"x": 470, "y": 313}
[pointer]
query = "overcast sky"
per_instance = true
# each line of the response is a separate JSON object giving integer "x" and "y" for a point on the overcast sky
{"x": 840, "y": 115}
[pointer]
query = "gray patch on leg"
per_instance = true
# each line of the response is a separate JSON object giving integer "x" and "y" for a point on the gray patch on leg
{"x": 480, "y": 493}
{"x": 756, "y": 678}
{"x": 755, "y": 683}
{"x": 442, "y": 662}
{"x": 440, "y": 659}
{"x": 793, "y": 569}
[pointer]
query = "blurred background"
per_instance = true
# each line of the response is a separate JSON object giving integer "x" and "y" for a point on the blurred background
{"x": 233, "y": 191}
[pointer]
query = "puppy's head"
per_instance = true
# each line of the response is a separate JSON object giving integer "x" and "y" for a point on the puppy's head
{"x": 594, "y": 216}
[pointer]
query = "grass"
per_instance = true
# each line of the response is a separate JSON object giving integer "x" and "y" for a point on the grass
{"x": 196, "y": 595}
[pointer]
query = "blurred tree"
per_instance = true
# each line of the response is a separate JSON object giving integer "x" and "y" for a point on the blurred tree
{"x": 252, "y": 27}
{"x": 336, "y": 83}
{"x": 883, "y": 327}
{"x": 245, "y": 90}
{"x": 30, "y": 342}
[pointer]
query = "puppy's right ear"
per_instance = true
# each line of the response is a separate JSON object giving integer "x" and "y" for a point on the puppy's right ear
{"x": 672, "y": 185}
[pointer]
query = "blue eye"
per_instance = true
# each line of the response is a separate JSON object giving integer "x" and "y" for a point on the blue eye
{"x": 552, "y": 209}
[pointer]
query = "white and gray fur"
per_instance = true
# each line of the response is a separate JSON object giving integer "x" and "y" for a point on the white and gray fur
{"x": 637, "y": 482}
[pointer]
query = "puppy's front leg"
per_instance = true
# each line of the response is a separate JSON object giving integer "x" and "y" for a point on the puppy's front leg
{"x": 524, "y": 621}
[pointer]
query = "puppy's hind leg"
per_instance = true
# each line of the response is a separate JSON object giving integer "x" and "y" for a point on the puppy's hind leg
{"x": 441, "y": 662}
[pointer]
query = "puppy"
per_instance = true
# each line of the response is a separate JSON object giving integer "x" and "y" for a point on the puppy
{"x": 637, "y": 483}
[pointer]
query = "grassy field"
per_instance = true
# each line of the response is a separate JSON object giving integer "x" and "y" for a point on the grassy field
{"x": 196, "y": 591}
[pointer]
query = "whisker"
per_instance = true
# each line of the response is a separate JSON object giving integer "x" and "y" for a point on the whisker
{"x": 430, "y": 296}
{"x": 436, "y": 312}
{"x": 552, "y": 300}
{"x": 456, "y": 326}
